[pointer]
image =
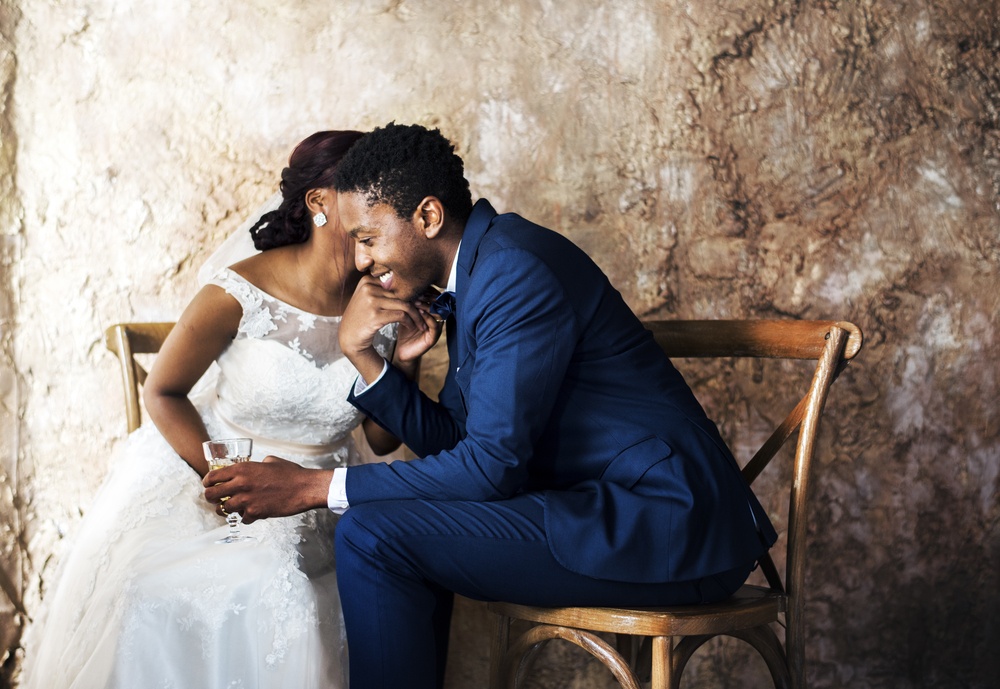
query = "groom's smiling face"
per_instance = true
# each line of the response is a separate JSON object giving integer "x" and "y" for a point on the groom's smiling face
{"x": 397, "y": 251}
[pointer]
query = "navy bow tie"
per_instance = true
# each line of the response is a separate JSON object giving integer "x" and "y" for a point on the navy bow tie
{"x": 444, "y": 305}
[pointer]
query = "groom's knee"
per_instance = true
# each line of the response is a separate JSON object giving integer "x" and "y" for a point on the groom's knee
{"x": 352, "y": 537}
{"x": 366, "y": 531}
{"x": 376, "y": 536}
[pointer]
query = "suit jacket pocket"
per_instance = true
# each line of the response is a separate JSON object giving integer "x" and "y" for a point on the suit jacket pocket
{"x": 632, "y": 463}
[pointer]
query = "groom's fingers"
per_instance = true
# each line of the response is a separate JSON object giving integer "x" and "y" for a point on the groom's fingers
{"x": 217, "y": 482}
{"x": 404, "y": 314}
{"x": 230, "y": 489}
{"x": 391, "y": 309}
{"x": 274, "y": 487}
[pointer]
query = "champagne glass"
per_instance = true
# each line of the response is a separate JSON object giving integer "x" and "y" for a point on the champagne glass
{"x": 221, "y": 453}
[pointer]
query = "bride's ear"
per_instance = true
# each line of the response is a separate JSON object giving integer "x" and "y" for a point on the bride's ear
{"x": 319, "y": 201}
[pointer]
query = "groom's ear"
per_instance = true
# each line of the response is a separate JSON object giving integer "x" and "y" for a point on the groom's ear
{"x": 429, "y": 216}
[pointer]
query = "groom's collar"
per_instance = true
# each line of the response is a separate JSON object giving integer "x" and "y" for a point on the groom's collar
{"x": 475, "y": 227}
{"x": 453, "y": 275}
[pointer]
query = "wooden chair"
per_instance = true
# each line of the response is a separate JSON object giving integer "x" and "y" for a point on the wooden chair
{"x": 751, "y": 612}
{"x": 126, "y": 340}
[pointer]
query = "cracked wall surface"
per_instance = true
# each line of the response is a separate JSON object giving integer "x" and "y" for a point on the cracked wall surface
{"x": 720, "y": 159}
{"x": 12, "y": 545}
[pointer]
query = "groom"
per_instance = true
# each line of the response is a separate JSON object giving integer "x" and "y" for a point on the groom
{"x": 566, "y": 462}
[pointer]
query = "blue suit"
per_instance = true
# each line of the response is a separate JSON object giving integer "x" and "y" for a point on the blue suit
{"x": 560, "y": 423}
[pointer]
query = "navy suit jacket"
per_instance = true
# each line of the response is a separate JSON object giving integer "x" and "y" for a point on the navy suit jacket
{"x": 555, "y": 387}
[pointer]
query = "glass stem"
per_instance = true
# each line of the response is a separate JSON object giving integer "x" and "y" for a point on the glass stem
{"x": 234, "y": 524}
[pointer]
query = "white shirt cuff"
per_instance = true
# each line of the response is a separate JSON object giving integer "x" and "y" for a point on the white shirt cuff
{"x": 360, "y": 385}
{"x": 336, "y": 499}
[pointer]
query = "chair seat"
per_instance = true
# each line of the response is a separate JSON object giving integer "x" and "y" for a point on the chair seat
{"x": 749, "y": 607}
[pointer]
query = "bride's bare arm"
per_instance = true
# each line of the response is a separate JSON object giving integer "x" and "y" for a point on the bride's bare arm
{"x": 203, "y": 331}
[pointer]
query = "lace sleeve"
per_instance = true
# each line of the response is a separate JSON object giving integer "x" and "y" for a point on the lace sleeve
{"x": 257, "y": 319}
{"x": 385, "y": 341}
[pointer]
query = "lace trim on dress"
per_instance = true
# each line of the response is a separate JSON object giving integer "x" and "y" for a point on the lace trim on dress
{"x": 257, "y": 320}
{"x": 311, "y": 336}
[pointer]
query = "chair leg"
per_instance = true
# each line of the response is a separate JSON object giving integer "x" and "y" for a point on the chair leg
{"x": 795, "y": 649}
{"x": 501, "y": 640}
{"x": 662, "y": 675}
{"x": 636, "y": 650}
{"x": 625, "y": 645}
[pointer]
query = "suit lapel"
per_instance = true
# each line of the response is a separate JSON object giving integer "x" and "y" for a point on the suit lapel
{"x": 475, "y": 229}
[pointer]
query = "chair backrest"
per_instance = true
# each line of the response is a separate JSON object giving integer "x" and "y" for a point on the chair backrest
{"x": 126, "y": 340}
{"x": 830, "y": 344}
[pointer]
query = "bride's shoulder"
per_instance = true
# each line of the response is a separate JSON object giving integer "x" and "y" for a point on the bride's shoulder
{"x": 241, "y": 284}
{"x": 258, "y": 269}
{"x": 255, "y": 273}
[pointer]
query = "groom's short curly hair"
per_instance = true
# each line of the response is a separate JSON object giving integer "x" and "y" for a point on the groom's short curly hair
{"x": 400, "y": 165}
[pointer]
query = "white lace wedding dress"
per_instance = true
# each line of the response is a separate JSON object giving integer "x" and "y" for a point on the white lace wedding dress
{"x": 148, "y": 599}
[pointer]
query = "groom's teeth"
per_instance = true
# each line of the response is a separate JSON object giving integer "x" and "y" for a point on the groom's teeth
{"x": 385, "y": 277}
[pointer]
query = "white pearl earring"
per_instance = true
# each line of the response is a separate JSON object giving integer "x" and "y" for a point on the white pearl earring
{"x": 319, "y": 219}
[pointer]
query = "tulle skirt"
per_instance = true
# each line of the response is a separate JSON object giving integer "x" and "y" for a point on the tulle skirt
{"x": 147, "y": 598}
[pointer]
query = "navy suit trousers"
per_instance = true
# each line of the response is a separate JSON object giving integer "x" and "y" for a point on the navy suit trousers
{"x": 399, "y": 561}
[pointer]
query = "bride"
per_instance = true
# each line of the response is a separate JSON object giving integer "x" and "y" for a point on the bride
{"x": 147, "y": 598}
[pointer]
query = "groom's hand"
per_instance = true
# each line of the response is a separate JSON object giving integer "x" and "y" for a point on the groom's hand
{"x": 372, "y": 308}
{"x": 272, "y": 488}
{"x": 412, "y": 341}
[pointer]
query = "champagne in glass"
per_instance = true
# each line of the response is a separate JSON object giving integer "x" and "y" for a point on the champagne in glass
{"x": 221, "y": 453}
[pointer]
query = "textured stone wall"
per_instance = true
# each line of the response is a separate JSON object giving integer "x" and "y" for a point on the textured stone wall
{"x": 12, "y": 545}
{"x": 725, "y": 158}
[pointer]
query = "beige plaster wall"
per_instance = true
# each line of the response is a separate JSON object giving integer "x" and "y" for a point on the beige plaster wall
{"x": 724, "y": 158}
{"x": 11, "y": 545}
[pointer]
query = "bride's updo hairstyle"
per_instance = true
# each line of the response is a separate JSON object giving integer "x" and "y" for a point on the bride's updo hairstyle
{"x": 311, "y": 166}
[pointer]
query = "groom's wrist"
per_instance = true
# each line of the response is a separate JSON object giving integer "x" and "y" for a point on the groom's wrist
{"x": 369, "y": 364}
{"x": 410, "y": 369}
{"x": 336, "y": 498}
{"x": 360, "y": 385}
